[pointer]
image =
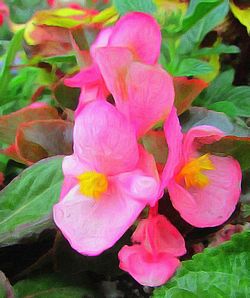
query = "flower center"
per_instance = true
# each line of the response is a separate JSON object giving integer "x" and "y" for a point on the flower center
{"x": 93, "y": 184}
{"x": 192, "y": 171}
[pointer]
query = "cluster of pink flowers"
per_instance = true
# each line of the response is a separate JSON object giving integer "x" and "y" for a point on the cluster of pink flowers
{"x": 111, "y": 178}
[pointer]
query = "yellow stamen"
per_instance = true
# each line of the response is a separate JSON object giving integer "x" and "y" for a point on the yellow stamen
{"x": 192, "y": 171}
{"x": 93, "y": 184}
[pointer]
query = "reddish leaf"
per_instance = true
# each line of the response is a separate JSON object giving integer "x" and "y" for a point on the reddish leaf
{"x": 39, "y": 139}
{"x": 10, "y": 123}
{"x": 66, "y": 97}
{"x": 155, "y": 143}
{"x": 49, "y": 41}
{"x": 186, "y": 90}
{"x": 11, "y": 151}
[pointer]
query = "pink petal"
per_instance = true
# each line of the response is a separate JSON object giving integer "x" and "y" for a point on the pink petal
{"x": 174, "y": 138}
{"x": 158, "y": 235}
{"x": 212, "y": 205}
{"x": 145, "y": 268}
{"x": 143, "y": 93}
{"x": 94, "y": 225}
{"x": 143, "y": 183}
{"x": 101, "y": 40}
{"x": 140, "y": 33}
{"x": 150, "y": 95}
{"x": 113, "y": 63}
{"x": 91, "y": 83}
{"x": 105, "y": 139}
{"x": 198, "y": 136}
{"x": 72, "y": 167}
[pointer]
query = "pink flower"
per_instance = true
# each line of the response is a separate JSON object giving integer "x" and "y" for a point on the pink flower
{"x": 90, "y": 79}
{"x": 108, "y": 181}
{"x": 154, "y": 260}
{"x": 124, "y": 61}
{"x": 142, "y": 90}
{"x": 204, "y": 188}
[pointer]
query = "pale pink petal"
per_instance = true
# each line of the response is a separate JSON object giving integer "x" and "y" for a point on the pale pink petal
{"x": 140, "y": 33}
{"x": 150, "y": 95}
{"x": 197, "y": 136}
{"x": 140, "y": 186}
{"x": 101, "y": 40}
{"x": 158, "y": 235}
{"x": 174, "y": 137}
{"x": 68, "y": 183}
{"x": 72, "y": 167}
{"x": 213, "y": 204}
{"x": 142, "y": 183}
{"x": 94, "y": 225}
{"x": 145, "y": 268}
{"x": 105, "y": 139}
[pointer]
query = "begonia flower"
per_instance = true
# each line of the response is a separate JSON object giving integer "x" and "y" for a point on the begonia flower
{"x": 90, "y": 79}
{"x": 204, "y": 188}
{"x": 143, "y": 93}
{"x": 124, "y": 61}
{"x": 152, "y": 260}
{"x": 108, "y": 180}
{"x": 142, "y": 90}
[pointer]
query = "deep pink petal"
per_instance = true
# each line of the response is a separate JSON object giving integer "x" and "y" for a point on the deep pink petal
{"x": 94, "y": 225}
{"x": 91, "y": 83}
{"x": 150, "y": 95}
{"x": 158, "y": 235}
{"x": 113, "y": 63}
{"x": 145, "y": 268}
{"x": 140, "y": 33}
{"x": 143, "y": 93}
{"x": 198, "y": 136}
{"x": 105, "y": 139}
{"x": 101, "y": 40}
{"x": 212, "y": 205}
{"x": 174, "y": 137}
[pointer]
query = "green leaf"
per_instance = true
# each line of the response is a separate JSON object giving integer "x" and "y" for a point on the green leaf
{"x": 217, "y": 272}
{"x": 222, "y": 96}
{"x": 124, "y": 6}
{"x": 207, "y": 21}
{"x": 226, "y": 107}
{"x": 70, "y": 58}
{"x": 26, "y": 203}
{"x": 246, "y": 210}
{"x": 201, "y": 116}
{"x": 10, "y": 55}
{"x": 197, "y": 10}
{"x": 192, "y": 67}
{"x": 50, "y": 286}
{"x": 216, "y": 50}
